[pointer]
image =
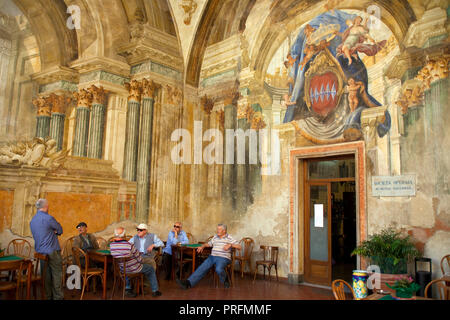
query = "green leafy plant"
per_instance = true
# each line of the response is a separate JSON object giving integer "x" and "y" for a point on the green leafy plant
{"x": 404, "y": 287}
{"x": 389, "y": 249}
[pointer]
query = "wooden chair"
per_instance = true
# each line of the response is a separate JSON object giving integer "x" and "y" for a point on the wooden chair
{"x": 37, "y": 278}
{"x": 102, "y": 243}
{"x": 20, "y": 248}
{"x": 122, "y": 275}
{"x": 19, "y": 267}
{"x": 443, "y": 260}
{"x": 271, "y": 261}
{"x": 244, "y": 255}
{"x": 190, "y": 237}
{"x": 229, "y": 269}
{"x": 442, "y": 289}
{"x": 67, "y": 257}
{"x": 181, "y": 259}
{"x": 86, "y": 272}
{"x": 338, "y": 287}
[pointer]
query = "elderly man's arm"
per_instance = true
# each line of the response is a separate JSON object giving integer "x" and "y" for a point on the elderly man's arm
{"x": 56, "y": 226}
{"x": 157, "y": 241}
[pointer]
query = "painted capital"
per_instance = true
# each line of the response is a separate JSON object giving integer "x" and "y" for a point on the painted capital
{"x": 135, "y": 90}
{"x": 435, "y": 69}
{"x": 59, "y": 103}
{"x": 83, "y": 97}
{"x": 98, "y": 95}
{"x": 207, "y": 104}
{"x": 44, "y": 106}
{"x": 174, "y": 96}
{"x": 258, "y": 121}
{"x": 150, "y": 88}
{"x": 231, "y": 96}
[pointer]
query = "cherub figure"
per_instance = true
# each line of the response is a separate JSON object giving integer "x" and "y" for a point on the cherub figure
{"x": 353, "y": 87}
{"x": 353, "y": 41}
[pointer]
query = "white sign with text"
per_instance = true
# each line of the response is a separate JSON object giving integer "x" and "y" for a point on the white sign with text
{"x": 394, "y": 186}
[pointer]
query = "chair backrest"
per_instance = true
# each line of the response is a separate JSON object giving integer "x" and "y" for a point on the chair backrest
{"x": 338, "y": 287}
{"x": 190, "y": 237}
{"x": 19, "y": 247}
{"x": 246, "y": 248}
{"x": 18, "y": 265}
{"x": 102, "y": 243}
{"x": 121, "y": 261}
{"x": 445, "y": 259}
{"x": 37, "y": 258}
{"x": 270, "y": 253}
{"x": 77, "y": 254}
{"x": 442, "y": 289}
{"x": 67, "y": 253}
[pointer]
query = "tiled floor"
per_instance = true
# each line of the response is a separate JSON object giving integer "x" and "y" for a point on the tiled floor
{"x": 244, "y": 289}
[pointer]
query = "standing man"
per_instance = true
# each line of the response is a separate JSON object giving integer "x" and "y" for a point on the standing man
{"x": 145, "y": 243}
{"x": 45, "y": 230}
{"x": 121, "y": 248}
{"x": 220, "y": 257}
{"x": 176, "y": 236}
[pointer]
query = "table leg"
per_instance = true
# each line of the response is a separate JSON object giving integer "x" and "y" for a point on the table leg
{"x": 30, "y": 266}
{"x": 173, "y": 263}
{"x": 193, "y": 260}
{"x": 105, "y": 269}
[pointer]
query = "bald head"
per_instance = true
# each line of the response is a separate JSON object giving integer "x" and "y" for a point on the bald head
{"x": 119, "y": 232}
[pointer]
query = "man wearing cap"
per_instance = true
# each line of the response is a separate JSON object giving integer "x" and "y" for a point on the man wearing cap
{"x": 86, "y": 241}
{"x": 45, "y": 230}
{"x": 145, "y": 243}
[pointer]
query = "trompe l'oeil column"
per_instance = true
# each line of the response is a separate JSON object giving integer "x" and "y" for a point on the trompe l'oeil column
{"x": 97, "y": 123}
{"x": 84, "y": 99}
{"x": 150, "y": 90}
{"x": 44, "y": 113}
{"x": 132, "y": 130}
{"x": 59, "y": 106}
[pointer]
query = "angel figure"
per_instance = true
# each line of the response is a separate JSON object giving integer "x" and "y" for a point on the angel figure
{"x": 353, "y": 87}
{"x": 353, "y": 41}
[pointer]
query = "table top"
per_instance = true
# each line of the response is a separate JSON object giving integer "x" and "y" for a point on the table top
{"x": 11, "y": 258}
{"x": 103, "y": 252}
{"x": 194, "y": 245}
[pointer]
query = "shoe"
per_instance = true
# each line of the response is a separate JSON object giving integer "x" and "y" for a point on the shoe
{"x": 226, "y": 283}
{"x": 184, "y": 284}
{"x": 156, "y": 293}
{"x": 130, "y": 294}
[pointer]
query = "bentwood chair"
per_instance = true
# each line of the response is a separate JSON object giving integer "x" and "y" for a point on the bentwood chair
{"x": 190, "y": 237}
{"x": 270, "y": 255}
{"x": 338, "y": 287}
{"x": 102, "y": 243}
{"x": 244, "y": 255}
{"x": 37, "y": 278}
{"x": 182, "y": 258}
{"x": 20, "y": 248}
{"x": 442, "y": 289}
{"x": 19, "y": 267}
{"x": 67, "y": 257}
{"x": 120, "y": 274}
{"x": 86, "y": 272}
{"x": 445, "y": 260}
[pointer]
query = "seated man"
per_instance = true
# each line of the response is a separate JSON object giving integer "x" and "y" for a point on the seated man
{"x": 121, "y": 248}
{"x": 220, "y": 257}
{"x": 145, "y": 243}
{"x": 86, "y": 241}
{"x": 176, "y": 236}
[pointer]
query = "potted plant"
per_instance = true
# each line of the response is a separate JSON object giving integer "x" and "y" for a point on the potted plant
{"x": 391, "y": 252}
{"x": 404, "y": 287}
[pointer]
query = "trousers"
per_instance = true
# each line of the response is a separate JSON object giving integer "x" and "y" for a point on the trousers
{"x": 219, "y": 263}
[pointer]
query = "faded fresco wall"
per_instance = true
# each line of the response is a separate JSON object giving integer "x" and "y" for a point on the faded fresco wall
{"x": 111, "y": 100}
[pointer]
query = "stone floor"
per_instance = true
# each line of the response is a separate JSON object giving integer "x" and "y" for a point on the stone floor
{"x": 244, "y": 289}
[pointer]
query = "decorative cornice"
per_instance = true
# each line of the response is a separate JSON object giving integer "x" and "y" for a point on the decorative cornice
{"x": 58, "y": 86}
{"x": 56, "y": 74}
{"x": 153, "y": 67}
{"x": 88, "y": 65}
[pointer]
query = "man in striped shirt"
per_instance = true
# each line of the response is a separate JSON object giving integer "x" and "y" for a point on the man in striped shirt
{"x": 220, "y": 257}
{"x": 121, "y": 248}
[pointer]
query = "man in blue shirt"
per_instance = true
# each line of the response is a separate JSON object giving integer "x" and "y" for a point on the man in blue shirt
{"x": 45, "y": 230}
{"x": 176, "y": 236}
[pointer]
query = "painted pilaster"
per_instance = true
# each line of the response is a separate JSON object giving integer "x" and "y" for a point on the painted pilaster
{"x": 59, "y": 103}
{"x": 144, "y": 150}
{"x": 44, "y": 110}
{"x": 132, "y": 130}
{"x": 81, "y": 135}
{"x": 97, "y": 123}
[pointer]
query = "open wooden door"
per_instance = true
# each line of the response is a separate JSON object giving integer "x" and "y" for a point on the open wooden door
{"x": 318, "y": 233}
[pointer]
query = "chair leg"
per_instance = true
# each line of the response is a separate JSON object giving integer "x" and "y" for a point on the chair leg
{"x": 276, "y": 270}
{"x": 256, "y": 270}
{"x": 84, "y": 286}
{"x": 142, "y": 286}
{"x": 270, "y": 269}
{"x": 114, "y": 287}
{"x": 242, "y": 266}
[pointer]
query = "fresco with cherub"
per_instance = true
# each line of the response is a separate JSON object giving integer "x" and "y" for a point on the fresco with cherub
{"x": 328, "y": 83}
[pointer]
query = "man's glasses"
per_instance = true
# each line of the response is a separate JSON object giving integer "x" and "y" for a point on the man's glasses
{"x": 140, "y": 230}
{"x": 176, "y": 226}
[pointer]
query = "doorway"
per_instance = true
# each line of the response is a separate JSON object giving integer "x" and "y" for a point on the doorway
{"x": 330, "y": 219}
